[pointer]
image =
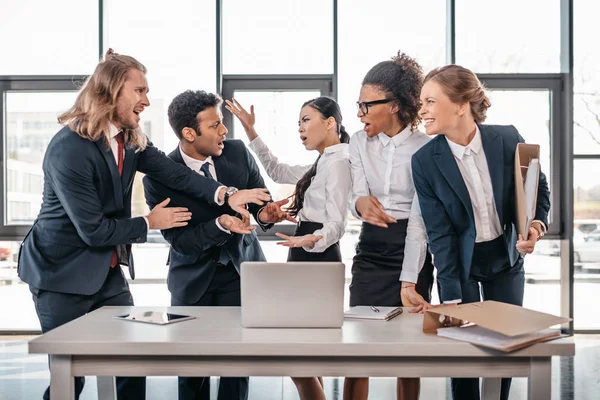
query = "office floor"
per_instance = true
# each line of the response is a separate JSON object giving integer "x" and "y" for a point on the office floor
{"x": 24, "y": 376}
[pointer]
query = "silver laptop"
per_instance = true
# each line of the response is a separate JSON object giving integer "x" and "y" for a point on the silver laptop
{"x": 292, "y": 294}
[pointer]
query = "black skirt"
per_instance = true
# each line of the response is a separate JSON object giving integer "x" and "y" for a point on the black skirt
{"x": 377, "y": 266}
{"x": 332, "y": 253}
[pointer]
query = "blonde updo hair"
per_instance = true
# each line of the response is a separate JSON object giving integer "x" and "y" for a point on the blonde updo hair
{"x": 461, "y": 85}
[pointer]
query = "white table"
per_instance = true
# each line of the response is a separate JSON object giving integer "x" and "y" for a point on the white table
{"x": 215, "y": 344}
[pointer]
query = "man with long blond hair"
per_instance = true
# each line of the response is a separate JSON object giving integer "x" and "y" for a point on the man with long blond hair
{"x": 72, "y": 255}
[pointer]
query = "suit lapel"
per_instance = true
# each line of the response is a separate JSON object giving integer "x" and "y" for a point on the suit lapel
{"x": 494, "y": 154}
{"x": 221, "y": 168}
{"x": 114, "y": 172}
{"x": 128, "y": 171}
{"x": 447, "y": 165}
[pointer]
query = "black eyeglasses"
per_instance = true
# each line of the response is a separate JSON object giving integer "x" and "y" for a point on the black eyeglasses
{"x": 363, "y": 106}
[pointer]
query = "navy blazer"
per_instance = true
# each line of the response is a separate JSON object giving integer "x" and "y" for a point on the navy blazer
{"x": 446, "y": 205}
{"x": 86, "y": 211}
{"x": 195, "y": 248}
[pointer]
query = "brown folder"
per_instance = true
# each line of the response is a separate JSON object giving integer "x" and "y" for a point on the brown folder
{"x": 523, "y": 156}
{"x": 500, "y": 326}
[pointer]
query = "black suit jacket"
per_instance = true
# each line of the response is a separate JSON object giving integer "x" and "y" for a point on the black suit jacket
{"x": 86, "y": 211}
{"x": 447, "y": 209}
{"x": 195, "y": 248}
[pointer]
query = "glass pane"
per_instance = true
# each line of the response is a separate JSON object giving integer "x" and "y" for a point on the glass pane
{"x": 586, "y": 242}
{"x": 277, "y": 124}
{"x": 187, "y": 61}
{"x": 16, "y": 305}
{"x": 278, "y": 37}
{"x": 508, "y": 36}
{"x": 366, "y": 36}
{"x": 31, "y": 121}
{"x": 46, "y": 38}
{"x": 529, "y": 112}
{"x": 586, "y": 78}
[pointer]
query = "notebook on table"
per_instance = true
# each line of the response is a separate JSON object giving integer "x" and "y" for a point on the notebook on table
{"x": 372, "y": 312}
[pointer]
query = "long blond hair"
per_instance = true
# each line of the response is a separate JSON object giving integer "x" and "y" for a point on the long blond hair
{"x": 96, "y": 103}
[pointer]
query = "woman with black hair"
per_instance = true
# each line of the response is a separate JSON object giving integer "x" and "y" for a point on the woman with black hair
{"x": 322, "y": 190}
{"x": 392, "y": 266}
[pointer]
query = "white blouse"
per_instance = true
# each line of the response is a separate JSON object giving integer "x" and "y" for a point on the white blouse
{"x": 326, "y": 199}
{"x": 381, "y": 167}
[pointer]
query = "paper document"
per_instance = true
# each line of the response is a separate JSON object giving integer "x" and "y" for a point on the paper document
{"x": 487, "y": 338}
{"x": 530, "y": 186}
{"x": 372, "y": 312}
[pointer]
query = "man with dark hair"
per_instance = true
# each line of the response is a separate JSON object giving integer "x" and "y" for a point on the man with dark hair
{"x": 205, "y": 255}
{"x": 72, "y": 256}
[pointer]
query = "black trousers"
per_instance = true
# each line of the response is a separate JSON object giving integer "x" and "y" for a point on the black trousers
{"x": 224, "y": 291}
{"x": 491, "y": 278}
{"x": 377, "y": 265}
{"x": 55, "y": 309}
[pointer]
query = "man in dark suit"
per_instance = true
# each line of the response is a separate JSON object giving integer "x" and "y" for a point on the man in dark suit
{"x": 72, "y": 255}
{"x": 206, "y": 255}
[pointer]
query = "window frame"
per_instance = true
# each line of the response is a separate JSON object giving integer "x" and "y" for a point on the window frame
{"x": 31, "y": 84}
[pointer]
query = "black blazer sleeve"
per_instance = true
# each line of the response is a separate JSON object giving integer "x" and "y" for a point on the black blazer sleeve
{"x": 255, "y": 181}
{"x": 187, "y": 240}
{"x": 443, "y": 240}
{"x": 157, "y": 165}
{"x": 73, "y": 182}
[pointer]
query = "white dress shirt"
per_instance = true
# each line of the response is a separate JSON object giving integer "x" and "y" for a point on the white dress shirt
{"x": 114, "y": 146}
{"x": 381, "y": 167}
{"x": 326, "y": 199}
{"x": 195, "y": 165}
{"x": 473, "y": 167}
{"x": 475, "y": 172}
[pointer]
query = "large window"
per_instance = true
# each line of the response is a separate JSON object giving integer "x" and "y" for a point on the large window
{"x": 586, "y": 185}
{"x": 510, "y": 36}
{"x": 58, "y": 37}
{"x": 276, "y": 54}
{"x": 371, "y": 32}
{"x": 277, "y": 37}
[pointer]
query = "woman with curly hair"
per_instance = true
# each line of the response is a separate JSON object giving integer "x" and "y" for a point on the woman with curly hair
{"x": 392, "y": 266}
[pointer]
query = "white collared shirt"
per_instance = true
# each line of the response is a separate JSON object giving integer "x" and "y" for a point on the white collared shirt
{"x": 381, "y": 167}
{"x": 195, "y": 165}
{"x": 114, "y": 146}
{"x": 326, "y": 199}
{"x": 473, "y": 167}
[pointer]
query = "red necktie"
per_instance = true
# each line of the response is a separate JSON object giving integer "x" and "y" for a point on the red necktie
{"x": 121, "y": 147}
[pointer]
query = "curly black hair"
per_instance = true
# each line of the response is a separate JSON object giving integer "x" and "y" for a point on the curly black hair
{"x": 402, "y": 79}
{"x": 184, "y": 109}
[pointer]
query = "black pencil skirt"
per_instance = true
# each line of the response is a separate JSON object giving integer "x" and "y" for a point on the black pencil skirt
{"x": 377, "y": 266}
{"x": 332, "y": 253}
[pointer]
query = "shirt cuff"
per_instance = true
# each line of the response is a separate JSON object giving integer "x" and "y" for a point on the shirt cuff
{"x": 220, "y": 227}
{"x": 544, "y": 227}
{"x": 217, "y": 196}
{"x": 408, "y": 276}
{"x": 147, "y": 223}
{"x": 456, "y": 301}
{"x": 258, "y": 221}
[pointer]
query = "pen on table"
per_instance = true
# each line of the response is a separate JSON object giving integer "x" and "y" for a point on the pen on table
{"x": 374, "y": 308}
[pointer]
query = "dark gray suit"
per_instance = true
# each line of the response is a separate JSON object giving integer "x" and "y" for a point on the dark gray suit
{"x": 196, "y": 275}
{"x": 85, "y": 214}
